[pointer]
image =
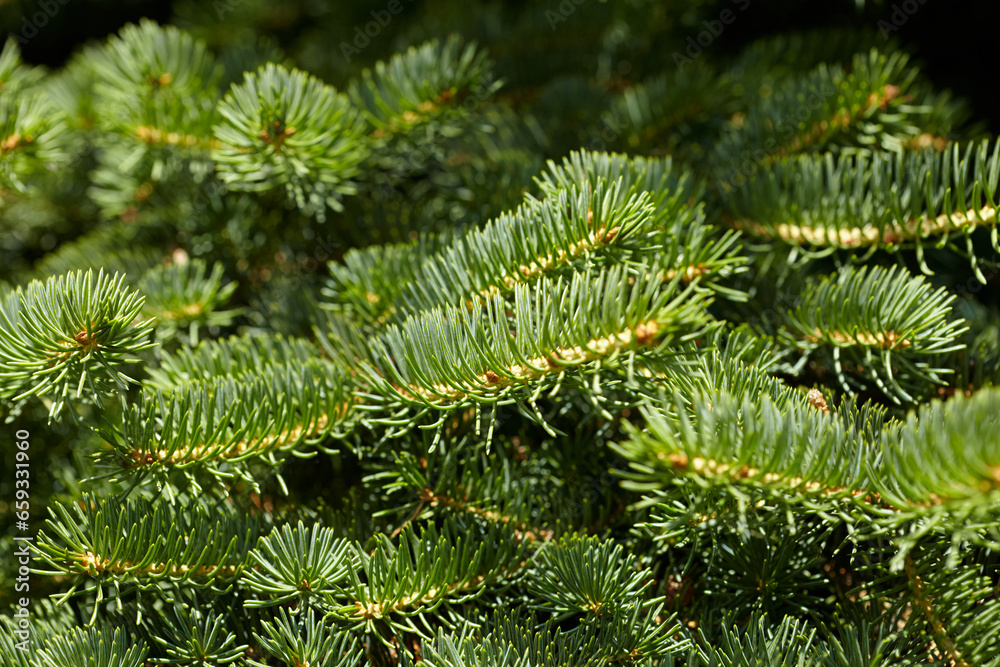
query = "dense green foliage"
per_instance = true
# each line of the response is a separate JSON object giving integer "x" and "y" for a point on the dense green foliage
{"x": 564, "y": 345}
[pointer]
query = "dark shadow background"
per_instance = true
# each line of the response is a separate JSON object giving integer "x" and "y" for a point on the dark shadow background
{"x": 952, "y": 40}
{"x": 73, "y": 24}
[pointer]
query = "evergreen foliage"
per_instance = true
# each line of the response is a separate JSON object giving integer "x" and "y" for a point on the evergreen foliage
{"x": 543, "y": 345}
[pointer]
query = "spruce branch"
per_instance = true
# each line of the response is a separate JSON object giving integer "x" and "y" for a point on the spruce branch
{"x": 229, "y": 420}
{"x": 448, "y": 357}
{"x": 286, "y": 129}
{"x": 139, "y": 543}
{"x": 182, "y": 296}
{"x": 723, "y": 439}
{"x": 156, "y": 86}
{"x": 305, "y": 640}
{"x": 420, "y": 84}
{"x": 890, "y": 201}
{"x": 878, "y": 326}
{"x": 69, "y": 337}
{"x": 584, "y": 575}
{"x": 189, "y": 636}
{"x": 233, "y": 356}
{"x": 32, "y": 133}
{"x": 93, "y": 647}
{"x": 408, "y": 583}
{"x": 299, "y": 564}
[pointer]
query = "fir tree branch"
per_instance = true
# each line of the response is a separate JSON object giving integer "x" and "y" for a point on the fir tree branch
{"x": 876, "y": 103}
{"x": 142, "y": 543}
{"x": 234, "y": 356}
{"x": 538, "y": 239}
{"x": 230, "y": 420}
{"x": 667, "y": 105}
{"x": 15, "y": 75}
{"x": 69, "y": 333}
{"x": 945, "y": 454}
{"x": 584, "y": 575}
{"x": 669, "y": 185}
{"x": 924, "y": 603}
{"x": 720, "y": 439}
{"x": 301, "y": 565}
{"x": 889, "y": 201}
{"x": 369, "y": 281}
{"x": 449, "y": 356}
{"x": 83, "y": 647}
{"x": 193, "y": 635}
{"x": 596, "y": 209}
{"x": 155, "y": 81}
{"x": 419, "y": 84}
{"x": 522, "y": 531}
{"x": 787, "y": 643}
{"x": 428, "y": 569}
{"x": 303, "y": 640}
{"x": 287, "y": 129}
{"x": 881, "y": 325}
{"x": 181, "y": 295}
{"x": 31, "y": 139}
